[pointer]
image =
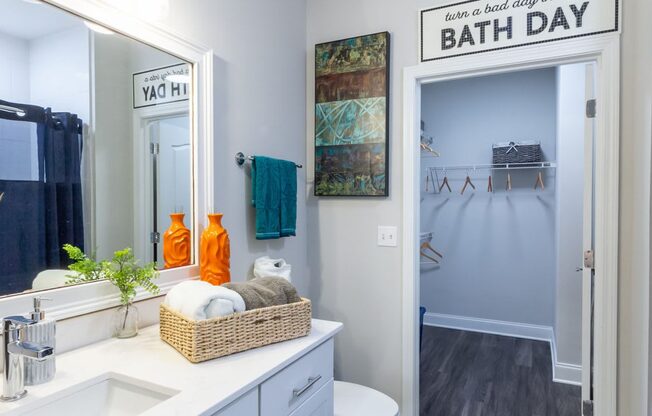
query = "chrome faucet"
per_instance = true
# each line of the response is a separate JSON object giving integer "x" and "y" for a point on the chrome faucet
{"x": 15, "y": 351}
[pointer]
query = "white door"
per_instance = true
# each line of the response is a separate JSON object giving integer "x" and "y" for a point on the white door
{"x": 170, "y": 174}
{"x": 588, "y": 271}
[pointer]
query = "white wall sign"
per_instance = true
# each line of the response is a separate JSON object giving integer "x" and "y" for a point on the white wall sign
{"x": 153, "y": 87}
{"x": 476, "y": 26}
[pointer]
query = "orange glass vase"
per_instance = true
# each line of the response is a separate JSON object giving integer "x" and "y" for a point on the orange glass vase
{"x": 215, "y": 252}
{"x": 176, "y": 243}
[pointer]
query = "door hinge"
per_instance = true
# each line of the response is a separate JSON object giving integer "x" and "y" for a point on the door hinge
{"x": 587, "y": 407}
{"x": 154, "y": 148}
{"x": 155, "y": 237}
{"x": 591, "y": 108}
{"x": 589, "y": 259}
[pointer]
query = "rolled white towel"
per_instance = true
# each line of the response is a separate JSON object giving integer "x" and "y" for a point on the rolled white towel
{"x": 197, "y": 300}
{"x": 267, "y": 267}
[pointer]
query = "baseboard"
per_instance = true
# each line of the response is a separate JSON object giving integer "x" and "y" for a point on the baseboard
{"x": 489, "y": 326}
{"x": 561, "y": 372}
{"x": 564, "y": 372}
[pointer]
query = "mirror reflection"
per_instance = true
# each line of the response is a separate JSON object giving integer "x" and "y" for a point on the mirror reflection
{"x": 95, "y": 147}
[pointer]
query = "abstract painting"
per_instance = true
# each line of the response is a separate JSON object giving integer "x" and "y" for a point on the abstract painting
{"x": 351, "y": 116}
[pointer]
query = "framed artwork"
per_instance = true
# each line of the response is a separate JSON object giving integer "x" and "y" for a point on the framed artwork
{"x": 352, "y": 116}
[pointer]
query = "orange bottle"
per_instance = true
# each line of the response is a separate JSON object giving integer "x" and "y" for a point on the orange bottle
{"x": 215, "y": 252}
{"x": 176, "y": 243}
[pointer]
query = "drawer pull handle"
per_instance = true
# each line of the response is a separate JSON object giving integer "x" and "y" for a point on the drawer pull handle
{"x": 311, "y": 382}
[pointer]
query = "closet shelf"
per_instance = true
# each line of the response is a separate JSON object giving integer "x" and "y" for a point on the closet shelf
{"x": 498, "y": 166}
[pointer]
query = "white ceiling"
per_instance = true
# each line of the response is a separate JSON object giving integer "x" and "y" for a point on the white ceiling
{"x": 26, "y": 20}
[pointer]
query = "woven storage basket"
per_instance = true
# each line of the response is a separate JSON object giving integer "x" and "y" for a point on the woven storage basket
{"x": 211, "y": 338}
{"x": 517, "y": 152}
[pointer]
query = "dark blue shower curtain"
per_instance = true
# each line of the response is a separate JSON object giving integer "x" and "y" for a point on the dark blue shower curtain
{"x": 38, "y": 217}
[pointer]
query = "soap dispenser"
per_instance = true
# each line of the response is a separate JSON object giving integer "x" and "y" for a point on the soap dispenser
{"x": 43, "y": 332}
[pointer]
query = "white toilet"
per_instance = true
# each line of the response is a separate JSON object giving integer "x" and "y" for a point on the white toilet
{"x": 356, "y": 400}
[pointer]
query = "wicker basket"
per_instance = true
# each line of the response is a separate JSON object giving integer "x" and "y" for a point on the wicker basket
{"x": 211, "y": 338}
{"x": 517, "y": 152}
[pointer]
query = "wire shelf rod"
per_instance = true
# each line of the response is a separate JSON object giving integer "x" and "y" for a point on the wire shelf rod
{"x": 497, "y": 166}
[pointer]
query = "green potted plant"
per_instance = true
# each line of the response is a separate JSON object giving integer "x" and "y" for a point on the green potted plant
{"x": 125, "y": 273}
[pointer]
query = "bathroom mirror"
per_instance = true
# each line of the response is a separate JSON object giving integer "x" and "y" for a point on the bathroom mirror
{"x": 96, "y": 145}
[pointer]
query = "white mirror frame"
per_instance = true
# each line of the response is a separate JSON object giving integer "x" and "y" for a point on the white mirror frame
{"x": 81, "y": 299}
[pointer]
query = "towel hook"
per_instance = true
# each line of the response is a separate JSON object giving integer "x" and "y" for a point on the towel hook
{"x": 240, "y": 158}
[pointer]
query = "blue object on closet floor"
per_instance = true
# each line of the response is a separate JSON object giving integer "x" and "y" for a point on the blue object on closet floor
{"x": 422, "y": 312}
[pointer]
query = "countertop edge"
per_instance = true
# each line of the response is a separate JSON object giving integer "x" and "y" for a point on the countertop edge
{"x": 203, "y": 389}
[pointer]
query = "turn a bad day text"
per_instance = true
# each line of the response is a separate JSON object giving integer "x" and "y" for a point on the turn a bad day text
{"x": 536, "y": 22}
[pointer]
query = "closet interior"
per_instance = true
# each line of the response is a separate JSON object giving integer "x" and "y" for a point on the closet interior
{"x": 502, "y": 199}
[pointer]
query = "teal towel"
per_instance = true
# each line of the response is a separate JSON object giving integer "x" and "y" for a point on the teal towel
{"x": 274, "y": 195}
{"x": 288, "y": 179}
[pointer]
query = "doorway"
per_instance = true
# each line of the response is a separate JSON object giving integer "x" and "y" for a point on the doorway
{"x": 163, "y": 163}
{"x": 501, "y": 244}
{"x": 169, "y": 140}
{"x": 604, "y": 52}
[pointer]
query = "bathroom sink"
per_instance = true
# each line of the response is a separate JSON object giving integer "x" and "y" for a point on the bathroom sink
{"x": 110, "y": 394}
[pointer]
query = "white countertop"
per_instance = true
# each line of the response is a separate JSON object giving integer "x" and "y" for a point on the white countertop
{"x": 204, "y": 388}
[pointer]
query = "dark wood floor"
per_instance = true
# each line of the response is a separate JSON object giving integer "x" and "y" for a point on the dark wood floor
{"x": 474, "y": 374}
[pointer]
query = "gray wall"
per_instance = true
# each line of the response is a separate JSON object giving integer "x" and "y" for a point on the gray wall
{"x": 259, "y": 73}
{"x": 355, "y": 281}
{"x": 361, "y": 263}
{"x": 569, "y": 212}
{"x": 499, "y": 249}
{"x": 112, "y": 146}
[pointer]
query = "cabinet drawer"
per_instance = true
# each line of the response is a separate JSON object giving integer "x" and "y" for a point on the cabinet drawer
{"x": 245, "y": 405}
{"x": 285, "y": 391}
{"x": 319, "y": 404}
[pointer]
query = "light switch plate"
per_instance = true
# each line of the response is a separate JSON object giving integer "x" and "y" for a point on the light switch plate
{"x": 387, "y": 236}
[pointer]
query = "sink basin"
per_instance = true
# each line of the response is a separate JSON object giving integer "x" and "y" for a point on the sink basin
{"x": 110, "y": 394}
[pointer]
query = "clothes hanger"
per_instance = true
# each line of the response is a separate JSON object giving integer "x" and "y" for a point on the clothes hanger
{"x": 539, "y": 182}
{"x": 426, "y": 141}
{"x": 490, "y": 185}
{"x": 426, "y": 246}
{"x": 467, "y": 182}
{"x": 430, "y": 258}
{"x": 429, "y": 149}
{"x": 509, "y": 182}
{"x": 426, "y": 255}
{"x": 445, "y": 183}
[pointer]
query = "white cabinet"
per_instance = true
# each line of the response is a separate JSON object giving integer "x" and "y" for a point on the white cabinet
{"x": 302, "y": 388}
{"x": 284, "y": 392}
{"x": 320, "y": 404}
{"x": 246, "y": 405}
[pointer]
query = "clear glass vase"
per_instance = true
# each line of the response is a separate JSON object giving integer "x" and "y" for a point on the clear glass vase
{"x": 125, "y": 321}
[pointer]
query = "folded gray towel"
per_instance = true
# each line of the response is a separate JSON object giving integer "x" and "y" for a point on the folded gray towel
{"x": 265, "y": 291}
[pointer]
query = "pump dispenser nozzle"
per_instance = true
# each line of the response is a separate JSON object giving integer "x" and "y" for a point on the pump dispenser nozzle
{"x": 37, "y": 314}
